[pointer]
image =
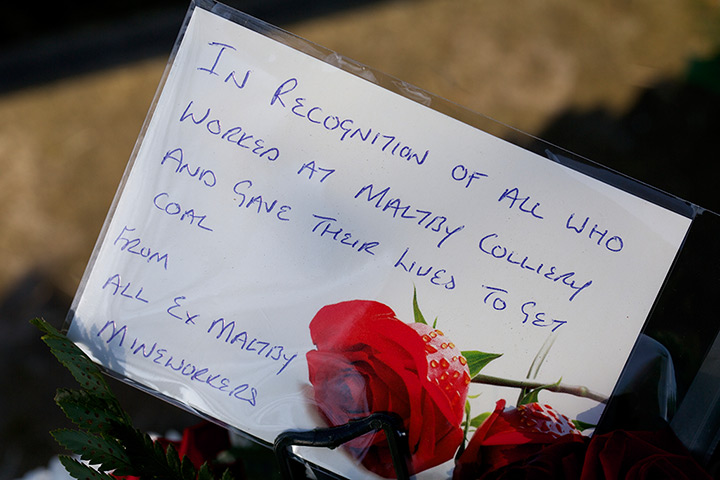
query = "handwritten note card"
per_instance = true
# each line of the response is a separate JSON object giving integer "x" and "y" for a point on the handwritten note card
{"x": 269, "y": 184}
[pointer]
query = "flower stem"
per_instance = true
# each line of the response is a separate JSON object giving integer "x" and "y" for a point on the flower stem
{"x": 577, "y": 390}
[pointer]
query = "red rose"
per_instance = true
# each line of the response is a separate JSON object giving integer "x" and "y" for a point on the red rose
{"x": 369, "y": 361}
{"x": 561, "y": 459}
{"x": 203, "y": 442}
{"x": 640, "y": 456}
{"x": 514, "y": 435}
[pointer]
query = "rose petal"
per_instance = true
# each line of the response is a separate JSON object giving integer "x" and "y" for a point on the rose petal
{"x": 677, "y": 467}
{"x": 332, "y": 324}
{"x": 203, "y": 442}
{"x": 613, "y": 454}
{"x": 340, "y": 388}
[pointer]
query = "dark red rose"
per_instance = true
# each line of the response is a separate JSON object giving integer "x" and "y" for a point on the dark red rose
{"x": 369, "y": 361}
{"x": 516, "y": 435}
{"x": 203, "y": 442}
{"x": 640, "y": 456}
{"x": 561, "y": 459}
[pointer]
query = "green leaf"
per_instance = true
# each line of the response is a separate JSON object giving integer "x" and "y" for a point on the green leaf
{"x": 205, "y": 474}
{"x": 45, "y": 327}
{"x": 532, "y": 395}
{"x": 184, "y": 467}
{"x": 148, "y": 457}
{"x": 582, "y": 425}
{"x": 416, "y": 309}
{"x": 478, "y": 360}
{"x": 85, "y": 371}
{"x": 477, "y": 421}
{"x": 106, "y": 436}
{"x": 465, "y": 426}
{"x": 466, "y": 423}
{"x": 227, "y": 475}
{"x": 98, "y": 450}
{"x": 188, "y": 469}
{"x": 172, "y": 458}
{"x": 89, "y": 411}
{"x": 81, "y": 471}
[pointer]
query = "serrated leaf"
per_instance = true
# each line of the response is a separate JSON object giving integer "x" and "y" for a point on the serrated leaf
{"x": 85, "y": 371}
{"x": 183, "y": 467}
{"x": 146, "y": 456}
{"x": 477, "y": 360}
{"x": 81, "y": 471}
{"x": 40, "y": 324}
{"x": 89, "y": 411}
{"x": 204, "y": 473}
{"x": 152, "y": 458}
{"x": 98, "y": 450}
{"x": 532, "y": 395}
{"x": 172, "y": 457}
{"x": 188, "y": 469}
{"x": 416, "y": 309}
{"x": 45, "y": 327}
{"x": 108, "y": 438}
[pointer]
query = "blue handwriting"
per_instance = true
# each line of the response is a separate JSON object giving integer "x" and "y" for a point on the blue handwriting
{"x": 613, "y": 244}
{"x": 175, "y": 313}
{"x": 315, "y": 115}
{"x": 175, "y": 210}
{"x": 205, "y": 176}
{"x": 257, "y": 202}
{"x": 125, "y": 290}
{"x": 513, "y": 194}
{"x": 235, "y": 135}
{"x": 489, "y": 245}
{"x": 161, "y": 356}
{"x": 345, "y": 238}
{"x": 460, "y": 173}
{"x": 313, "y": 169}
{"x": 132, "y": 244}
{"x": 233, "y": 75}
{"x": 248, "y": 343}
{"x": 425, "y": 218}
{"x": 436, "y": 276}
{"x": 496, "y": 298}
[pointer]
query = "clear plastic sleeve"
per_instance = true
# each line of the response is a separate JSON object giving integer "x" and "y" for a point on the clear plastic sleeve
{"x": 300, "y": 241}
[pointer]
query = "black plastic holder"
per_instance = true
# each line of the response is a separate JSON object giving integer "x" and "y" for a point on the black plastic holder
{"x": 333, "y": 437}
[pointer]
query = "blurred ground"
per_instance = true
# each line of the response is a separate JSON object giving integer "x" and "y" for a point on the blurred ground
{"x": 633, "y": 85}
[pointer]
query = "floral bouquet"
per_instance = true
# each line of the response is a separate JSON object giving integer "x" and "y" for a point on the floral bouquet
{"x": 366, "y": 361}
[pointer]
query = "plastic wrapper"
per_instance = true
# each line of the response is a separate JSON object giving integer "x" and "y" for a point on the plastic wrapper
{"x": 300, "y": 241}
